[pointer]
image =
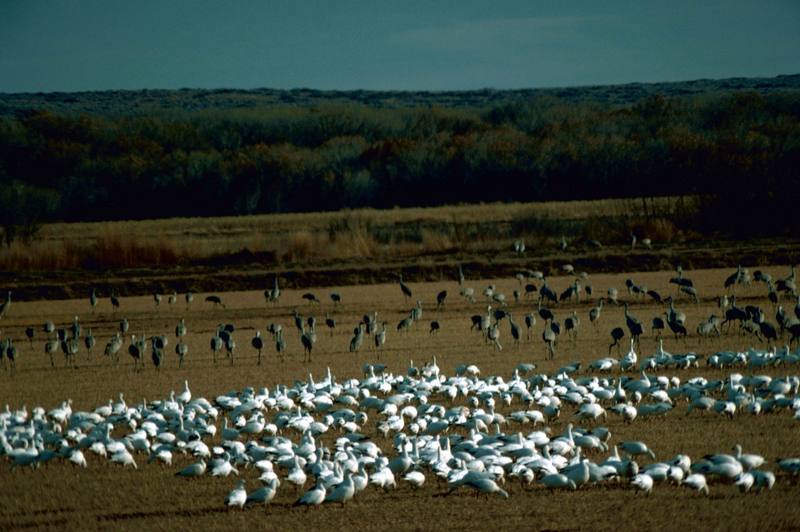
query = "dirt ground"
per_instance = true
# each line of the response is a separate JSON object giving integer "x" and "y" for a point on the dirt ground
{"x": 108, "y": 497}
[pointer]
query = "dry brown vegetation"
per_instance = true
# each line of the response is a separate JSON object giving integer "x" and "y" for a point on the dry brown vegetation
{"x": 105, "y": 496}
{"x": 365, "y": 233}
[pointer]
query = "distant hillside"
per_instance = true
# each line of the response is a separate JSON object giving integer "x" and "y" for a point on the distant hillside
{"x": 115, "y": 103}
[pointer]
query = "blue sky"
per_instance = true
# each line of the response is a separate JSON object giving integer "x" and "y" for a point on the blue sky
{"x": 62, "y": 45}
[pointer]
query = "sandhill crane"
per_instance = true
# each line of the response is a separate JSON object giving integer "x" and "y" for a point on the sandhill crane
{"x": 114, "y": 298}
{"x": 307, "y": 339}
{"x": 358, "y": 338}
{"x": 272, "y": 295}
{"x": 298, "y": 321}
{"x": 468, "y": 293}
{"x": 11, "y": 355}
{"x": 405, "y": 324}
{"x": 674, "y": 314}
{"x": 530, "y": 321}
{"x": 494, "y": 336}
{"x": 634, "y": 325}
{"x": 787, "y": 284}
{"x": 594, "y": 312}
{"x": 216, "y": 345}
{"x": 690, "y": 291}
{"x": 516, "y": 331}
{"x": 311, "y": 298}
{"x": 679, "y": 279}
{"x": 51, "y": 346}
{"x": 215, "y": 300}
{"x": 546, "y": 293}
{"x": 768, "y": 331}
{"x": 734, "y": 313}
{"x": 629, "y": 284}
{"x": 75, "y": 328}
{"x": 370, "y": 323}
{"x": 111, "y": 350}
{"x": 677, "y": 328}
{"x": 135, "y": 350}
{"x": 416, "y": 312}
{"x": 258, "y": 345}
{"x": 93, "y": 299}
{"x": 173, "y": 298}
{"x": 157, "y": 356}
{"x": 545, "y": 313}
{"x": 612, "y": 295}
{"x": 70, "y": 347}
{"x": 709, "y": 327}
{"x": 530, "y": 289}
{"x": 336, "y": 298}
{"x": 180, "y": 329}
{"x": 655, "y": 296}
{"x": 157, "y": 299}
{"x": 657, "y": 327}
{"x": 549, "y": 337}
{"x": 571, "y": 324}
{"x": 280, "y": 343}
{"x": 181, "y": 349}
{"x": 440, "y": 299}
{"x": 762, "y": 277}
{"x": 89, "y": 341}
{"x": 572, "y": 290}
{"x": 330, "y": 323}
{"x": 772, "y": 294}
{"x": 617, "y": 333}
{"x": 434, "y": 327}
{"x": 732, "y": 279}
{"x": 404, "y": 287}
{"x": 230, "y": 346}
{"x": 380, "y": 338}
{"x": 5, "y": 305}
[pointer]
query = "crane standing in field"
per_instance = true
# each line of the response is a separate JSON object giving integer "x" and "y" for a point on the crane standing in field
{"x": 549, "y": 336}
{"x": 594, "y": 313}
{"x": 634, "y": 325}
{"x": 258, "y": 345}
{"x": 272, "y": 295}
{"x": 6, "y": 305}
{"x": 380, "y": 338}
{"x": 404, "y": 288}
{"x": 93, "y": 299}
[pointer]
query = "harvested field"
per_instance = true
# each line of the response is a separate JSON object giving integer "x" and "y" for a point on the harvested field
{"x": 108, "y": 496}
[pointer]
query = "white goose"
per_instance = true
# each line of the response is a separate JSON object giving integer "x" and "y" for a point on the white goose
{"x": 237, "y": 496}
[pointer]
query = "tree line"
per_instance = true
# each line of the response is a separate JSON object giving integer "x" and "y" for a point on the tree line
{"x": 740, "y": 152}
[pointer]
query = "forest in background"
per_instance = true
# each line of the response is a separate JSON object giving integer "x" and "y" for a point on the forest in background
{"x": 738, "y": 151}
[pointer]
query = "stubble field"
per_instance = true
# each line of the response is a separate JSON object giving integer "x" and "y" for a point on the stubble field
{"x": 110, "y": 497}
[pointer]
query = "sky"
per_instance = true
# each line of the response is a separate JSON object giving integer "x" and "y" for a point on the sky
{"x": 72, "y": 45}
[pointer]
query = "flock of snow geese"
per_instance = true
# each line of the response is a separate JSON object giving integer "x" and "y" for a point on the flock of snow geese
{"x": 448, "y": 428}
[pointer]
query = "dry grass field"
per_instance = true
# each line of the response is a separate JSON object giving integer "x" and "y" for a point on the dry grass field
{"x": 346, "y": 235}
{"x": 110, "y": 497}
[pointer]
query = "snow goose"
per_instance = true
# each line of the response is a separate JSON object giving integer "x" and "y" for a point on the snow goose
{"x": 237, "y": 496}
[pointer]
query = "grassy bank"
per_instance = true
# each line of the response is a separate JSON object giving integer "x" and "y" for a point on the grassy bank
{"x": 310, "y": 238}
